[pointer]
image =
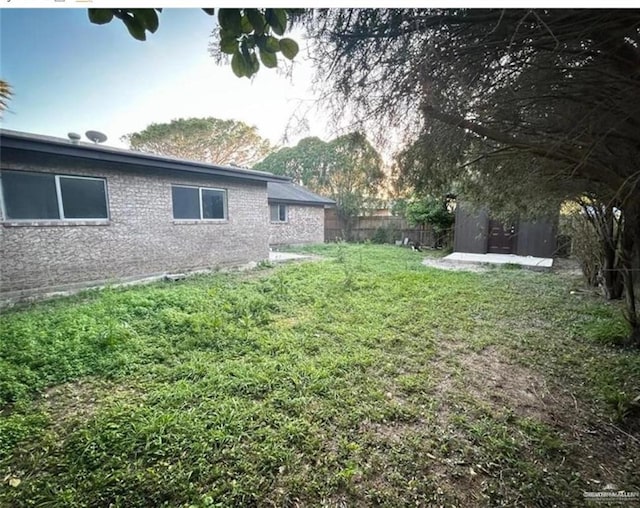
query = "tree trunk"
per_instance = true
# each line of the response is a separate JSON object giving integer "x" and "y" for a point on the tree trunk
{"x": 348, "y": 228}
{"x": 630, "y": 243}
{"x": 612, "y": 280}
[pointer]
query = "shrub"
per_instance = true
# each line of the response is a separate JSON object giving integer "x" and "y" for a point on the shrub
{"x": 381, "y": 235}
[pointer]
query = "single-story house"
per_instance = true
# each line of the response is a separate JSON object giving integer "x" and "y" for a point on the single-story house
{"x": 479, "y": 233}
{"x": 80, "y": 214}
{"x": 296, "y": 215}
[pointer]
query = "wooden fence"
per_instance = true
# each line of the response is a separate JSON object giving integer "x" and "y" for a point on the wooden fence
{"x": 374, "y": 228}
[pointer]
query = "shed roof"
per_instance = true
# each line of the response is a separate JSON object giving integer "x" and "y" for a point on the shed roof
{"x": 48, "y": 145}
{"x": 289, "y": 192}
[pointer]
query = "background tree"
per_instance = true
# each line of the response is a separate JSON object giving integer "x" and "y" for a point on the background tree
{"x": 308, "y": 163}
{"x": 5, "y": 95}
{"x": 542, "y": 96}
{"x": 347, "y": 169}
{"x": 204, "y": 139}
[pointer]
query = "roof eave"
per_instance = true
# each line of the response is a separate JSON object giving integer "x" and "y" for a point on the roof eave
{"x": 299, "y": 202}
{"x": 130, "y": 158}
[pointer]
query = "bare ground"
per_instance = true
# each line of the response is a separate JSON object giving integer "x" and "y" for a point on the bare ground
{"x": 602, "y": 454}
{"x": 78, "y": 401}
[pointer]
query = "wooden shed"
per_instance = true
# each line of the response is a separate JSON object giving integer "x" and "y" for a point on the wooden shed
{"x": 477, "y": 232}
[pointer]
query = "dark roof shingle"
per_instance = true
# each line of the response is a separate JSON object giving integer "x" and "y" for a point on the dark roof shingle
{"x": 36, "y": 143}
{"x": 291, "y": 193}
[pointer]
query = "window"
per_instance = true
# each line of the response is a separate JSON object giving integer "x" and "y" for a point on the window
{"x": 186, "y": 202}
{"x": 199, "y": 203}
{"x": 278, "y": 213}
{"x": 45, "y": 196}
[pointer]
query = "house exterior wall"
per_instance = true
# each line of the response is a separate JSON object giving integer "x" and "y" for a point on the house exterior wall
{"x": 140, "y": 238}
{"x": 305, "y": 224}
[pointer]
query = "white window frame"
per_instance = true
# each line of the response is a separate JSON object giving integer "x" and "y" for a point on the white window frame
{"x": 286, "y": 213}
{"x": 200, "y": 189}
{"x": 58, "y": 198}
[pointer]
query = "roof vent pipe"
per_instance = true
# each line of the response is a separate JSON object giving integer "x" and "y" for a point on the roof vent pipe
{"x": 73, "y": 137}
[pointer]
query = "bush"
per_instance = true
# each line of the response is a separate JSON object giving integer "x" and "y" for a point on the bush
{"x": 434, "y": 212}
{"x": 386, "y": 234}
{"x": 381, "y": 235}
{"x": 585, "y": 246}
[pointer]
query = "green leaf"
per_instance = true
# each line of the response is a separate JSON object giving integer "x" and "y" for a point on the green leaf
{"x": 272, "y": 44}
{"x": 246, "y": 25}
{"x": 228, "y": 34}
{"x": 238, "y": 65}
{"x": 244, "y": 49}
{"x": 100, "y": 16}
{"x": 277, "y": 19}
{"x": 257, "y": 20}
{"x": 269, "y": 59}
{"x": 289, "y": 48}
{"x": 254, "y": 65}
{"x": 147, "y": 17}
{"x": 230, "y": 19}
{"x": 136, "y": 29}
{"x": 228, "y": 46}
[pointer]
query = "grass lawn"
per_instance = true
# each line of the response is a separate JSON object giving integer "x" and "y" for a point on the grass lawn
{"x": 362, "y": 379}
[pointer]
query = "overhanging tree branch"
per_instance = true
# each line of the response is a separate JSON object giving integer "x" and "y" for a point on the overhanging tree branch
{"x": 551, "y": 153}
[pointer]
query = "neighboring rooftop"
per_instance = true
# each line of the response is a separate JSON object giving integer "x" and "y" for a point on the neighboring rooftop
{"x": 49, "y": 145}
{"x": 294, "y": 194}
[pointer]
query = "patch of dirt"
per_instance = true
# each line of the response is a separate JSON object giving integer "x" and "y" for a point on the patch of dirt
{"x": 394, "y": 432}
{"x": 489, "y": 377}
{"x": 566, "y": 266}
{"x": 598, "y": 450}
{"x": 79, "y": 400}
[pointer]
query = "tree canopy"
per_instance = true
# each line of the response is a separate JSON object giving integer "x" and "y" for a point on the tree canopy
{"x": 5, "y": 95}
{"x": 530, "y": 103}
{"x": 556, "y": 85}
{"x": 204, "y": 139}
{"x": 347, "y": 169}
{"x": 247, "y": 36}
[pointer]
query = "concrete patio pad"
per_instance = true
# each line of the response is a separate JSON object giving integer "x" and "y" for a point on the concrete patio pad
{"x": 501, "y": 259}
{"x": 279, "y": 257}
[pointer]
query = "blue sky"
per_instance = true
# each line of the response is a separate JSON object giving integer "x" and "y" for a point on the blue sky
{"x": 71, "y": 75}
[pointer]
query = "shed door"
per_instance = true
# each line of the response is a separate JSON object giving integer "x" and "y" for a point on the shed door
{"x": 501, "y": 238}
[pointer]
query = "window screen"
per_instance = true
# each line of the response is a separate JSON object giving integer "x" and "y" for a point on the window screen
{"x": 212, "y": 204}
{"x": 186, "y": 202}
{"x": 282, "y": 213}
{"x": 83, "y": 198}
{"x": 29, "y": 195}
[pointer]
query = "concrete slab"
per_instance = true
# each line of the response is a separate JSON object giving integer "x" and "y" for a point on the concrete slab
{"x": 279, "y": 257}
{"x": 501, "y": 259}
